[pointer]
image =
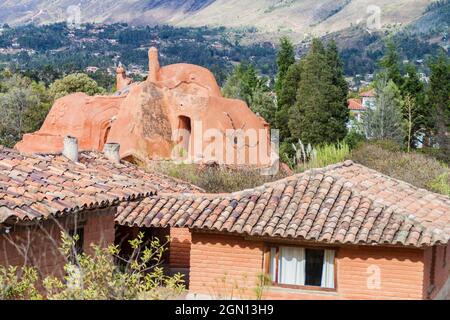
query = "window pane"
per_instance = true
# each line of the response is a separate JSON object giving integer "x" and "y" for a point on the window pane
{"x": 314, "y": 266}
{"x": 273, "y": 264}
{"x": 291, "y": 268}
{"x": 328, "y": 269}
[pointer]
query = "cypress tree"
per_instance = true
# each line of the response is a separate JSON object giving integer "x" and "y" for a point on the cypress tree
{"x": 287, "y": 98}
{"x": 391, "y": 65}
{"x": 316, "y": 117}
{"x": 420, "y": 115}
{"x": 285, "y": 58}
{"x": 438, "y": 96}
{"x": 339, "y": 101}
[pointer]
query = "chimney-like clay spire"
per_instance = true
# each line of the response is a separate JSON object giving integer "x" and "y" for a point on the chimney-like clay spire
{"x": 153, "y": 64}
{"x": 121, "y": 77}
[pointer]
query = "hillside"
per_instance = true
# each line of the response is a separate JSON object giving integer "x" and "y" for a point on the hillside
{"x": 294, "y": 17}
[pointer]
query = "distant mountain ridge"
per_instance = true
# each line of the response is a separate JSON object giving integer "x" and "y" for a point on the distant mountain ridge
{"x": 293, "y": 17}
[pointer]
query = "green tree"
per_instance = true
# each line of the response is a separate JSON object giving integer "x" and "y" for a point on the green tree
{"x": 263, "y": 103}
{"x": 285, "y": 58}
{"x": 245, "y": 84}
{"x": 391, "y": 63}
{"x": 287, "y": 98}
{"x": 385, "y": 121}
{"x": 416, "y": 112}
{"x": 339, "y": 97}
{"x": 317, "y": 117}
{"x": 438, "y": 97}
{"x": 24, "y": 105}
{"x": 76, "y": 82}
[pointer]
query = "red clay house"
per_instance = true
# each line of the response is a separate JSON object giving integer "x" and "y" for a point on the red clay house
{"x": 343, "y": 232}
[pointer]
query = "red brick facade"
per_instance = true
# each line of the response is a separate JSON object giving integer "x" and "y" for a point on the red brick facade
{"x": 224, "y": 266}
{"x": 39, "y": 244}
{"x": 180, "y": 247}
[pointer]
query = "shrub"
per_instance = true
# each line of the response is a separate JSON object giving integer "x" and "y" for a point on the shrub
{"x": 215, "y": 178}
{"x": 353, "y": 139}
{"x": 415, "y": 168}
{"x": 104, "y": 275}
{"x": 18, "y": 284}
{"x": 441, "y": 184}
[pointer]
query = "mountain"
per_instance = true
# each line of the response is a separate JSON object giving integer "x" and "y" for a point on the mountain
{"x": 290, "y": 17}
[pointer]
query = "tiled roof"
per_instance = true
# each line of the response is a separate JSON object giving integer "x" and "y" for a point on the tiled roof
{"x": 40, "y": 186}
{"x": 355, "y": 104}
{"x": 338, "y": 204}
{"x": 368, "y": 94}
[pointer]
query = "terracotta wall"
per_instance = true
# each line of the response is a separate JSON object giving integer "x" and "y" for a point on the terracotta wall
{"x": 42, "y": 241}
{"x": 221, "y": 265}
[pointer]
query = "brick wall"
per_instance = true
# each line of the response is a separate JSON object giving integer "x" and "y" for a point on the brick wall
{"x": 180, "y": 247}
{"x": 39, "y": 244}
{"x": 99, "y": 229}
{"x": 221, "y": 265}
{"x": 441, "y": 288}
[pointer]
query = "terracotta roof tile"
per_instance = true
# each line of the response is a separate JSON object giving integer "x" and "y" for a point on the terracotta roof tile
{"x": 344, "y": 203}
{"x": 355, "y": 104}
{"x": 38, "y": 186}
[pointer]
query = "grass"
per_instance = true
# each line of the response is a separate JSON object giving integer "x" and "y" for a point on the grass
{"x": 329, "y": 154}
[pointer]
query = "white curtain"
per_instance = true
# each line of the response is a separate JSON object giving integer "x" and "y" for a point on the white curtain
{"x": 292, "y": 266}
{"x": 328, "y": 269}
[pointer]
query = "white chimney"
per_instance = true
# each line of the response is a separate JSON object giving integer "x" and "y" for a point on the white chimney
{"x": 70, "y": 150}
{"x": 111, "y": 152}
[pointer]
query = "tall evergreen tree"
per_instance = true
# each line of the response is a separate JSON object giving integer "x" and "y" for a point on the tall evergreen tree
{"x": 391, "y": 63}
{"x": 339, "y": 100}
{"x": 245, "y": 84}
{"x": 286, "y": 99}
{"x": 285, "y": 58}
{"x": 438, "y": 96}
{"x": 241, "y": 83}
{"x": 385, "y": 121}
{"x": 316, "y": 117}
{"x": 420, "y": 115}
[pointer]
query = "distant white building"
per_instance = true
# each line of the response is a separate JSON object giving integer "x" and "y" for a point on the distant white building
{"x": 358, "y": 106}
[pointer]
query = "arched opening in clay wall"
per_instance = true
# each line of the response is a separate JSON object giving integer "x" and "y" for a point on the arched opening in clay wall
{"x": 185, "y": 130}
{"x": 105, "y": 136}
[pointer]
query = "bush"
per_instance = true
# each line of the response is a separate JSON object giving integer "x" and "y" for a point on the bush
{"x": 418, "y": 169}
{"x": 354, "y": 138}
{"x": 441, "y": 184}
{"x": 98, "y": 276}
{"x": 388, "y": 145}
{"x": 18, "y": 284}
{"x": 217, "y": 179}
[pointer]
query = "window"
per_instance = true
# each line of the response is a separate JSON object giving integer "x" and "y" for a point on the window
{"x": 293, "y": 266}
